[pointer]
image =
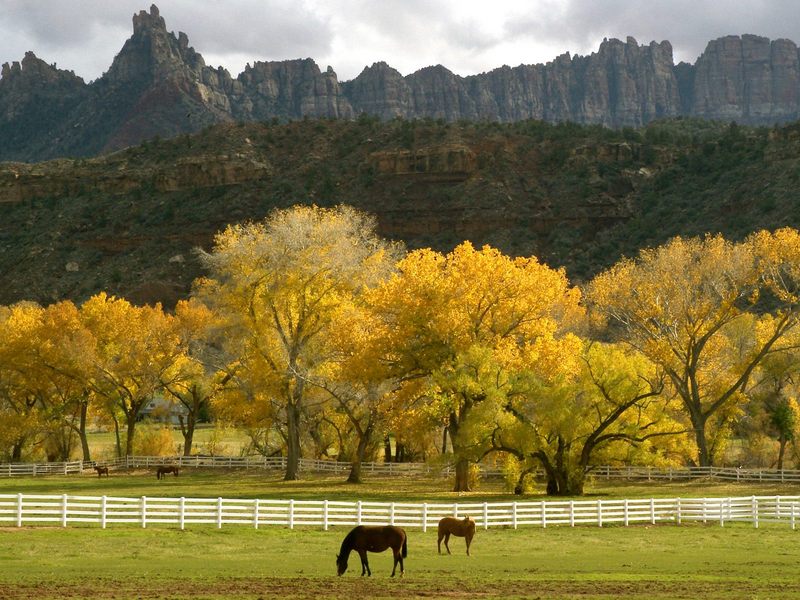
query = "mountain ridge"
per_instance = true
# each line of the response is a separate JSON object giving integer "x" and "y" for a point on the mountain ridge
{"x": 159, "y": 86}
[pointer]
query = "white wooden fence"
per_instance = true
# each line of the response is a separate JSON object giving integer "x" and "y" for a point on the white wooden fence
{"x": 66, "y": 510}
{"x": 278, "y": 463}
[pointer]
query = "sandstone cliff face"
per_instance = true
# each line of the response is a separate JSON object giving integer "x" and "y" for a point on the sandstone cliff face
{"x": 748, "y": 79}
{"x": 158, "y": 85}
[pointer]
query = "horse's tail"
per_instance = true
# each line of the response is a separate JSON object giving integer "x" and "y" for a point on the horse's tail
{"x": 405, "y": 547}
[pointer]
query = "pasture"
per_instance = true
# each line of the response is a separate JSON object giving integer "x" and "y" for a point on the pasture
{"x": 660, "y": 562}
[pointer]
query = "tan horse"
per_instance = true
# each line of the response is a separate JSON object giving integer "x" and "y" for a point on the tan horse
{"x": 460, "y": 527}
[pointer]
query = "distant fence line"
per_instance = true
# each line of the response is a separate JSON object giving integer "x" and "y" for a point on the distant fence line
{"x": 277, "y": 463}
{"x": 66, "y": 510}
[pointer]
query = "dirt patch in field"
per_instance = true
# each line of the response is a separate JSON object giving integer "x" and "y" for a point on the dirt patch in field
{"x": 349, "y": 588}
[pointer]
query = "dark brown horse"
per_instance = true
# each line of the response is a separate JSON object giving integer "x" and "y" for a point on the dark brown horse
{"x": 373, "y": 538}
{"x": 162, "y": 471}
{"x": 460, "y": 527}
{"x": 101, "y": 471}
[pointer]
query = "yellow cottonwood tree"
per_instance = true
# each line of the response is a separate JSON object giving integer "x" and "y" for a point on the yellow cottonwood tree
{"x": 681, "y": 305}
{"x": 604, "y": 408}
{"x": 135, "y": 347}
{"x": 279, "y": 283}
{"x": 22, "y": 394}
{"x": 469, "y": 320}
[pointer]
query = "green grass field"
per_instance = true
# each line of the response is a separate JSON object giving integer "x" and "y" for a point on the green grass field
{"x": 664, "y": 561}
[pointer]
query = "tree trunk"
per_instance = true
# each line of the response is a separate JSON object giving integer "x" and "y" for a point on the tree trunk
{"x": 16, "y": 450}
{"x": 188, "y": 433}
{"x": 84, "y": 409}
{"x": 361, "y": 451}
{"x": 130, "y": 433}
{"x": 703, "y": 455}
{"x": 116, "y": 435}
{"x": 387, "y": 449}
{"x": 444, "y": 441}
{"x": 462, "y": 476}
{"x": 781, "y": 451}
{"x": 292, "y": 442}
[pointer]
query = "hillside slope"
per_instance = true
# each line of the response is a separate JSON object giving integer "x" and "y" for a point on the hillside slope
{"x": 576, "y": 196}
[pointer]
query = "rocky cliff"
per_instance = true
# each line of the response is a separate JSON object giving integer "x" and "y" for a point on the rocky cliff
{"x": 158, "y": 85}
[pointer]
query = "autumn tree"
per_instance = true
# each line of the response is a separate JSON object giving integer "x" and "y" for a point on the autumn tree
{"x": 279, "y": 282}
{"x": 22, "y": 394}
{"x": 682, "y": 306}
{"x": 358, "y": 381}
{"x": 65, "y": 358}
{"x": 466, "y": 321}
{"x": 135, "y": 347}
{"x": 199, "y": 373}
{"x": 605, "y": 407}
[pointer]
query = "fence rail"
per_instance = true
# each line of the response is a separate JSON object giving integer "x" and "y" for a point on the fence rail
{"x": 278, "y": 463}
{"x": 66, "y": 510}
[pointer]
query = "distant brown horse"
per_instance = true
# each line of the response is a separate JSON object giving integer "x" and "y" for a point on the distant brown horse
{"x": 162, "y": 471}
{"x": 101, "y": 471}
{"x": 373, "y": 538}
{"x": 460, "y": 527}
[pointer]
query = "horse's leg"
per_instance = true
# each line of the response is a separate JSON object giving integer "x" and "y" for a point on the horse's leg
{"x": 446, "y": 541}
{"x": 468, "y": 537}
{"x": 439, "y": 542}
{"x": 398, "y": 558}
{"x": 364, "y": 563}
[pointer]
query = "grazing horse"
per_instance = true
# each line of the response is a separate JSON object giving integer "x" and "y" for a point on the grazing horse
{"x": 162, "y": 471}
{"x": 373, "y": 538}
{"x": 461, "y": 527}
{"x": 101, "y": 471}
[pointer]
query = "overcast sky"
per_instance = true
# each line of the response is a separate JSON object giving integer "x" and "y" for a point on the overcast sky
{"x": 467, "y": 36}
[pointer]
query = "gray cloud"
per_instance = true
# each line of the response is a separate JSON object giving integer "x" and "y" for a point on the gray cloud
{"x": 467, "y": 36}
{"x": 687, "y": 24}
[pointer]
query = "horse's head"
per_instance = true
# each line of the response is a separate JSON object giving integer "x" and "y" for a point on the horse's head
{"x": 341, "y": 565}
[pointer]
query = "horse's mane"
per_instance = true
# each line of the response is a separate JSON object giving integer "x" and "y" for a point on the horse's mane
{"x": 347, "y": 543}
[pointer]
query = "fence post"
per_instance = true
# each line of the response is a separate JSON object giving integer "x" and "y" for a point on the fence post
{"x": 144, "y": 512}
{"x": 572, "y": 513}
{"x": 182, "y": 513}
{"x": 424, "y": 517}
{"x": 455, "y": 510}
{"x": 219, "y": 513}
{"x": 544, "y": 514}
{"x": 625, "y": 512}
{"x": 358, "y": 513}
{"x": 514, "y": 515}
{"x": 652, "y": 511}
{"x": 19, "y": 510}
{"x": 64, "y": 510}
{"x": 391, "y": 514}
{"x": 792, "y": 517}
{"x": 722, "y": 512}
{"x": 599, "y": 513}
{"x": 291, "y": 514}
{"x": 678, "y": 515}
{"x": 325, "y": 515}
{"x": 754, "y": 503}
{"x": 255, "y": 515}
{"x": 103, "y": 511}
{"x": 486, "y": 515}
